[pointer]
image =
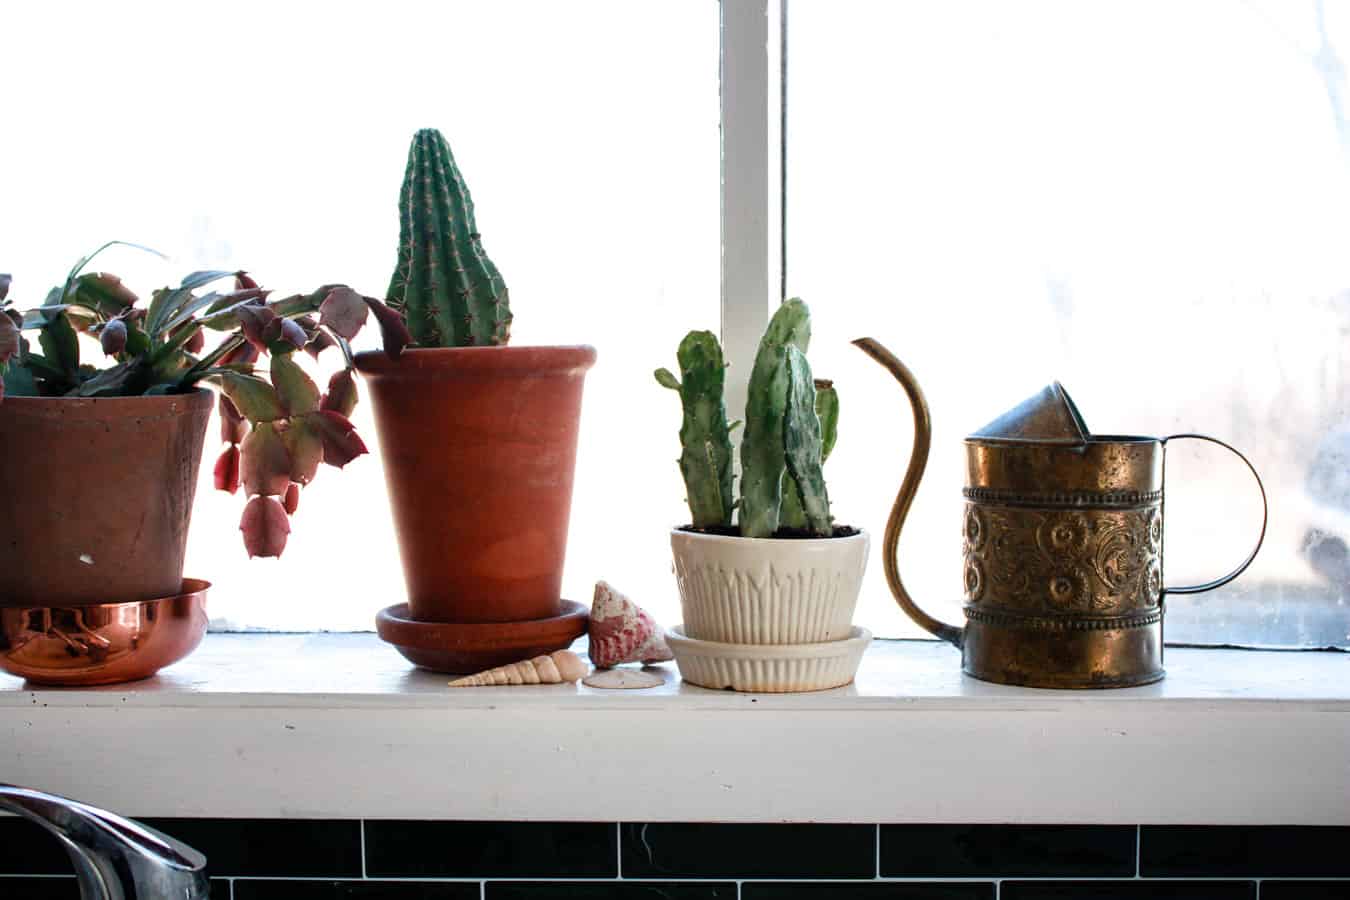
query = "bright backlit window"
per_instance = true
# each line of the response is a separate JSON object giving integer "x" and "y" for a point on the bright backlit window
{"x": 1146, "y": 200}
{"x": 273, "y": 136}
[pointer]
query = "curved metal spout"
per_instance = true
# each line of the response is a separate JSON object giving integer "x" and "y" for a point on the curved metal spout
{"x": 115, "y": 858}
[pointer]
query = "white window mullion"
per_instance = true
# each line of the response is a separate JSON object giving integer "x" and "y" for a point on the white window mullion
{"x": 751, "y": 92}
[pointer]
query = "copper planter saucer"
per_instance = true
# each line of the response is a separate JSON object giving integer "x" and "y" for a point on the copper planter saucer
{"x": 102, "y": 643}
{"x": 464, "y": 647}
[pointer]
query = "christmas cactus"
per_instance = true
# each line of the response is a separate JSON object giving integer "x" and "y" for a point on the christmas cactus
{"x": 791, "y": 423}
{"x": 277, "y": 425}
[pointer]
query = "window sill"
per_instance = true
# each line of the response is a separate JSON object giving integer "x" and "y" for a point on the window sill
{"x": 340, "y": 726}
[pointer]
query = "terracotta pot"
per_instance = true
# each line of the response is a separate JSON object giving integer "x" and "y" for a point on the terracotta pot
{"x": 96, "y": 496}
{"x": 479, "y": 446}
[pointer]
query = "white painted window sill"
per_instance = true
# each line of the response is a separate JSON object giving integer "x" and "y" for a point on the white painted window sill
{"x": 340, "y": 726}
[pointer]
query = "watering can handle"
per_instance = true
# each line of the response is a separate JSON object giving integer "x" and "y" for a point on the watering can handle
{"x": 1260, "y": 538}
{"x": 918, "y": 460}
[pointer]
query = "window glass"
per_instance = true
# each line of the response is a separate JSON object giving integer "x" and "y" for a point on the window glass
{"x": 1145, "y": 200}
{"x": 273, "y": 136}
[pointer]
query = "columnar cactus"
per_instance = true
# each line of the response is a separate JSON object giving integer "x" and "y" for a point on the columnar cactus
{"x": 763, "y": 461}
{"x": 450, "y": 293}
{"x": 706, "y": 460}
{"x": 791, "y": 422}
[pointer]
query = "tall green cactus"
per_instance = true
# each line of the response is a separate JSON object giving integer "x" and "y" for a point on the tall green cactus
{"x": 706, "y": 460}
{"x": 449, "y": 292}
{"x": 763, "y": 461}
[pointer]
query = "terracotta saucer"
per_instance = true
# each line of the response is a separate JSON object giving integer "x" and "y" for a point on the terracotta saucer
{"x": 102, "y": 643}
{"x": 461, "y": 648}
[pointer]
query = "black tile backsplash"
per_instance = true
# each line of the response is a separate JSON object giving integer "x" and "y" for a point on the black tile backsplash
{"x": 686, "y": 850}
{"x": 276, "y": 847}
{"x": 491, "y": 849}
{"x": 613, "y": 890}
{"x": 1305, "y": 890}
{"x": 1007, "y": 850}
{"x": 1198, "y": 851}
{"x": 1127, "y": 890}
{"x": 356, "y": 890}
{"x": 26, "y": 848}
{"x": 874, "y": 890}
{"x": 295, "y": 859}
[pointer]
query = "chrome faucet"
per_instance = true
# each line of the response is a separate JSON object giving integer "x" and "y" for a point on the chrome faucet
{"x": 115, "y": 858}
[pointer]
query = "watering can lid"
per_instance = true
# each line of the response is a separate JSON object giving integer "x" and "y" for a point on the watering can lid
{"x": 1049, "y": 417}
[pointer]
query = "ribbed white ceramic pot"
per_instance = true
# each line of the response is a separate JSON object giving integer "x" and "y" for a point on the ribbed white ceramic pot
{"x": 739, "y": 590}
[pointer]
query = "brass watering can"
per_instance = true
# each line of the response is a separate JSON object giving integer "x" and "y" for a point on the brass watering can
{"x": 1063, "y": 541}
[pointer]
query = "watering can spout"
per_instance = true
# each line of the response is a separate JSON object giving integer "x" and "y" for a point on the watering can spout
{"x": 918, "y": 460}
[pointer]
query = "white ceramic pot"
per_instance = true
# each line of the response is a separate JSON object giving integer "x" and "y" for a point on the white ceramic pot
{"x": 737, "y": 590}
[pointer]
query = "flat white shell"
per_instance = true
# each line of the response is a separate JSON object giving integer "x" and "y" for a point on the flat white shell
{"x": 623, "y": 679}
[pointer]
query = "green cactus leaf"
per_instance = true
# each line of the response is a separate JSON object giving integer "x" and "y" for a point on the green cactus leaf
{"x": 165, "y": 304}
{"x": 253, "y": 397}
{"x": 802, "y": 444}
{"x": 667, "y": 380}
{"x": 298, "y": 393}
{"x": 264, "y": 461}
{"x": 61, "y": 344}
{"x": 304, "y": 443}
{"x": 762, "y": 453}
{"x": 9, "y": 339}
{"x": 18, "y": 381}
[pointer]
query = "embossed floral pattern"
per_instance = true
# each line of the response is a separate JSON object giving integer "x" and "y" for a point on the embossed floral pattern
{"x": 1062, "y": 562}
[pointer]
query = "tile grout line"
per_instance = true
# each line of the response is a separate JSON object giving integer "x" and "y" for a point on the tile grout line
{"x": 230, "y": 881}
{"x": 482, "y": 890}
{"x": 877, "y": 848}
{"x": 618, "y": 849}
{"x": 364, "y": 876}
{"x": 1138, "y": 849}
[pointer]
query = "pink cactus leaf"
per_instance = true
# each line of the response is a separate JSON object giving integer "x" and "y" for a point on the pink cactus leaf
{"x": 341, "y": 443}
{"x": 344, "y": 311}
{"x": 292, "y": 333}
{"x": 255, "y": 320}
{"x": 265, "y": 527}
{"x": 394, "y": 332}
{"x": 264, "y": 463}
{"x": 227, "y": 470}
{"x": 14, "y": 316}
{"x": 113, "y": 337}
{"x": 243, "y": 355}
{"x": 341, "y": 396}
{"x": 9, "y": 339}
{"x": 243, "y": 282}
{"x": 4, "y": 286}
{"x": 304, "y": 444}
{"x": 292, "y": 499}
{"x": 321, "y": 341}
{"x": 298, "y": 393}
{"x": 233, "y": 426}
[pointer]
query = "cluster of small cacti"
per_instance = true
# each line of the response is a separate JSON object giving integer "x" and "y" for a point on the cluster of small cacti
{"x": 791, "y": 422}
{"x": 449, "y": 292}
{"x": 277, "y": 429}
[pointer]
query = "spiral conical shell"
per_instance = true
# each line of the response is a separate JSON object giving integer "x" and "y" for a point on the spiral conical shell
{"x": 558, "y": 667}
{"x": 622, "y": 632}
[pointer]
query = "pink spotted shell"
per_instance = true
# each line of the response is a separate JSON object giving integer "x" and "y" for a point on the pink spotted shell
{"x": 623, "y": 632}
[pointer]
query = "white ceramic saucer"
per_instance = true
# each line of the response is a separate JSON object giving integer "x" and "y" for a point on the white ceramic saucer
{"x": 769, "y": 668}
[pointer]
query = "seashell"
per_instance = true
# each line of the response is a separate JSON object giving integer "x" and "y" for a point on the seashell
{"x": 624, "y": 679}
{"x": 623, "y": 632}
{"x": 558, "y": 667}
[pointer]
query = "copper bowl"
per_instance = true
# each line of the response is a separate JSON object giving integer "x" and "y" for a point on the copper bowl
{"x": 102, "y": 643}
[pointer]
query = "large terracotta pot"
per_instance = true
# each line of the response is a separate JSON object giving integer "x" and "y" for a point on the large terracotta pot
{"x": 479, "y": 447}
{"x": 96, "y": 496}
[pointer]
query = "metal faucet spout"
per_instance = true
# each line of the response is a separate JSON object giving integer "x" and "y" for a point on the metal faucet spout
{"x": 115, "y": 858}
